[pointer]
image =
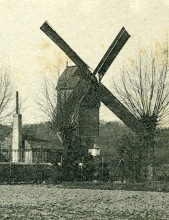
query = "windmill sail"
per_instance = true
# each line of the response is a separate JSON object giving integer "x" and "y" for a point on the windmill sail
{"x": 88, "y": 80}
{"x": 48, "y": 30}
{"x": 118, "y": 108}
{"x": 111, "y": 53}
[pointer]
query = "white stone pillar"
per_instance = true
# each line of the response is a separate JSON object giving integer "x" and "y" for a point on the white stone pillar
{"x": 17, "y": 138}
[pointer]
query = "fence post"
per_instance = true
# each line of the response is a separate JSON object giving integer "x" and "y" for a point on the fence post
{"x": 82, "y": 168}
{"x": 61, "y": 175}
{"x": 10, "y": 171}
{"x": 102, "y": 168}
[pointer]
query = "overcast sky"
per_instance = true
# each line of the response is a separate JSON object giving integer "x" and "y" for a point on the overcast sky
{"x": 89, "y": 27}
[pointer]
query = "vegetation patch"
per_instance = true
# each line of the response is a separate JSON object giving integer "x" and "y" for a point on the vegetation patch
{"x": 53, "y": 202}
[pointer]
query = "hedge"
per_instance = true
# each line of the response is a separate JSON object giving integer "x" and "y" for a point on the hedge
{"x": 27, "y": 173}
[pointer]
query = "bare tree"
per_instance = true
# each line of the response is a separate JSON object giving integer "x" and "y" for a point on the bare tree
{"x": 47, "y": 98}
{"x": 6, "y": 93}
{"x": 144, "y": 91}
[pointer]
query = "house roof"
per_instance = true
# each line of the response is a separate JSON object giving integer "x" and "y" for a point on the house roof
{"x": 69, "y": 78}
{"x": 32, "y": 142}
{"x": 36, "y": 144}
{"x": 41, "y": 144}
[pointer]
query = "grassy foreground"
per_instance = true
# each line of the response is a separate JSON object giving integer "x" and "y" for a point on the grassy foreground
{"x": 57, "y": 202}
{"x": 155, "y": 186}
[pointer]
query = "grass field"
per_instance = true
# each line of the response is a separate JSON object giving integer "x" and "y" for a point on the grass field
{"x": 55, "y": 202}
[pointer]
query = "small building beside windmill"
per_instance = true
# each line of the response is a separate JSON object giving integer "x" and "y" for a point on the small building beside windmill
{"x": 20, "y": 148}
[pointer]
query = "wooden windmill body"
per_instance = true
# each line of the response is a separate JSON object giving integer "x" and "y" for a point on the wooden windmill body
{"x": 83, "y": 125}
{"x": 80, "y": 93}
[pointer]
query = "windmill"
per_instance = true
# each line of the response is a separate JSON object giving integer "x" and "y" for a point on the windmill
{"x": 89, "y": 89}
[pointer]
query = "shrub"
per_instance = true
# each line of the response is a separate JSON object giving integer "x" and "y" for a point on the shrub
{"x": 27, "y": 173}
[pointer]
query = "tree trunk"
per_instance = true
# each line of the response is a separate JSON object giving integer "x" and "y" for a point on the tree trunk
{"x": 146, "y": 163}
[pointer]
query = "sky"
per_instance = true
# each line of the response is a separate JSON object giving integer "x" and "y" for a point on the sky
{"x": 89, "y": 27}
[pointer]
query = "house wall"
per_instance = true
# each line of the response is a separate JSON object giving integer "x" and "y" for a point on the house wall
{"x": 40, "y": 155}
{"x": 28, "y": 156}
{"x": 36, "y": 154}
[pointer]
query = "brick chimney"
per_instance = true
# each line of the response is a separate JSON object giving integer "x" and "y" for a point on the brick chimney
{"x": 17, "y": 134}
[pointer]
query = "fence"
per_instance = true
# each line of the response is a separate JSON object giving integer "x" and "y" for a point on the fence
{"x": 40, "y": 155}
{"x": 38, "y": 165}
{"x": 28, "y": 166}
{"x": 42, "y": 165}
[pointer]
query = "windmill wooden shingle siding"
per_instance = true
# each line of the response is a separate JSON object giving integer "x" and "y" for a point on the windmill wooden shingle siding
{"x": 66, "y": 83}
{"x": 86, "y": 116}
